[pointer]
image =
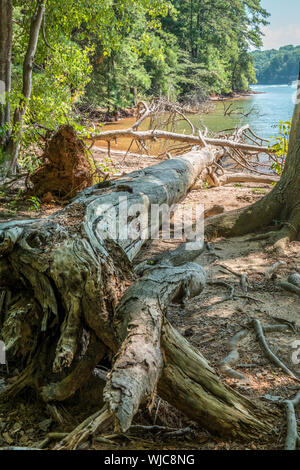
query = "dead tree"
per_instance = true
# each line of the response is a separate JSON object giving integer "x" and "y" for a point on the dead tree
{"x": 66, "y": 275}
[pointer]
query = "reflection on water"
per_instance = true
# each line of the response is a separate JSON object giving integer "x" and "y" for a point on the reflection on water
{"x": 262, "y": 111}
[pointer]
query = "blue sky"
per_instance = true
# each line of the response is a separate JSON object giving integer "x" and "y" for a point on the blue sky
{"x": 284, "y": 27}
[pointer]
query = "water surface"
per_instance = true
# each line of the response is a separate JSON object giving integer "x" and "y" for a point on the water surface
{"x": 262, "y": 111}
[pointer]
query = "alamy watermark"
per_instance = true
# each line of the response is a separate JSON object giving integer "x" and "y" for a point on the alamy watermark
{"x": 2, "y": 353}
{"x": 142, "y": 221}
{"x": 296, "y": 354}
{"x": 296, "y": 95}
{"x": 2, "y": 92}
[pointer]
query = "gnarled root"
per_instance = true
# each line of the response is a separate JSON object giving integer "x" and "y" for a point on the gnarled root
{"x": 77, "y": 273}
{"x": 192, "y": 386}
{"x": 79, "y": 376}
{"x": 99, "y": 421}
{"x": 292, "y": 437}
{"x": 138, "y": 322}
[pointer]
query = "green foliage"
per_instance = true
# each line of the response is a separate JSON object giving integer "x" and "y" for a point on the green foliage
{"x": 277, "y": 67}
{"x": 279, "y": 145}
{"x": 217, "y": 35}
{"x": 110, "y": 53}
{"x": 258, "y": 190}
{"x": 195, "y": 49}
{"x": 35, "y": 203}
{"x": 57, "y": 87}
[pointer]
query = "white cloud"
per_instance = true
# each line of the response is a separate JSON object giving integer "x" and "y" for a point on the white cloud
{"x": 283, "y": 36}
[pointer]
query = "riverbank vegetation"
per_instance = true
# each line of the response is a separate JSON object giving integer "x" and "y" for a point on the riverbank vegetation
{"x": 277, "y": 67}
{"x": 59, "y": 60}
{"x": 107, "y": 320}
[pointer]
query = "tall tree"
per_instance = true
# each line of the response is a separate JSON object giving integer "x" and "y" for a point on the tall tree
{"x": 69, "y": 24}
{"x": 6, "y": 19}
{"x": 218, "y": 34}
{"x": 20, "y": 110}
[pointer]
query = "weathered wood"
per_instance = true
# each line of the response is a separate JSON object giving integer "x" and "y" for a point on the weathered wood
{"x": 66, "y": 264}
{"x": 74, "y": 273}
{"x": 138, "y": 323}
{"x": 229, "y": 178}
{"x": 202, "y": 396}
{"x": 108, "y": 136}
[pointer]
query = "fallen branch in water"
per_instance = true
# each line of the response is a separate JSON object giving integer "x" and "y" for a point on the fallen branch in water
{"x": 192, "y": 139}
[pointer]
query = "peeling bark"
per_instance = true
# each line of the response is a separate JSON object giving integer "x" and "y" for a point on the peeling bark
{"x": 77, "y": 278}
{"x": 138, "y": 324}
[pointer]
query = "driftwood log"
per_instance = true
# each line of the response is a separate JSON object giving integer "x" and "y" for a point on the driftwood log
{"x": 71, "y": 296}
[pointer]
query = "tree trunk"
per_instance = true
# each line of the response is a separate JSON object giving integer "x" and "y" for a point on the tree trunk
{"x": 19, "y": 113}
{"x": 68, "y": 275}
{"x": 6, "y": 12}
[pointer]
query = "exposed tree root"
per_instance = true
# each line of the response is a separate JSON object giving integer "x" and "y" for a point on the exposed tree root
{"x": 233, "y": 356}
{"x": 209, "y": 401}
{"x": 269, "y": 273}
{"x": 215, "y": 210}
{"x": 241, "y": 276}
{"x": 138, "y": 322}
{"x": 31, "y": 376}
{"x": 294, "y": 279}
{"x": 292, "y": 437}
{"x": 77, "y": 273}
{"x": 66, "y": 171}
{"x": 289, "y": 287}
{"x": 274, "y": 359}
{"x": 79, "y": 376}
{"x": 98, "y": 422}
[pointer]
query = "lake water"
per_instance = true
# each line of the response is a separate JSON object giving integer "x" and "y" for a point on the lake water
{"x": 262, "y": 111}
{"x": 272, "y": 105}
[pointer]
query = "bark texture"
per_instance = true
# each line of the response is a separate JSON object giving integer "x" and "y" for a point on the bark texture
{"x": 6, "y": 11}
{"x": 67, "y": 275}
{"x": 27, "y": 82}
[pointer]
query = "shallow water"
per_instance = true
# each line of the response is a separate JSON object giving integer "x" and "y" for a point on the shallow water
{"x": 262, "y": 111}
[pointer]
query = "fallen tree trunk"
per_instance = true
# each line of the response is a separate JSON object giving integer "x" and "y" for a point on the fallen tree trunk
{"x": 109, "y": 136}
{"x": 138, "y": 323}
{"x": 67, "y": 276}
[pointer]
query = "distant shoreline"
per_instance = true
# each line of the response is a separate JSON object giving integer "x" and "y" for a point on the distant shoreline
{"x": 235, "y": 95}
